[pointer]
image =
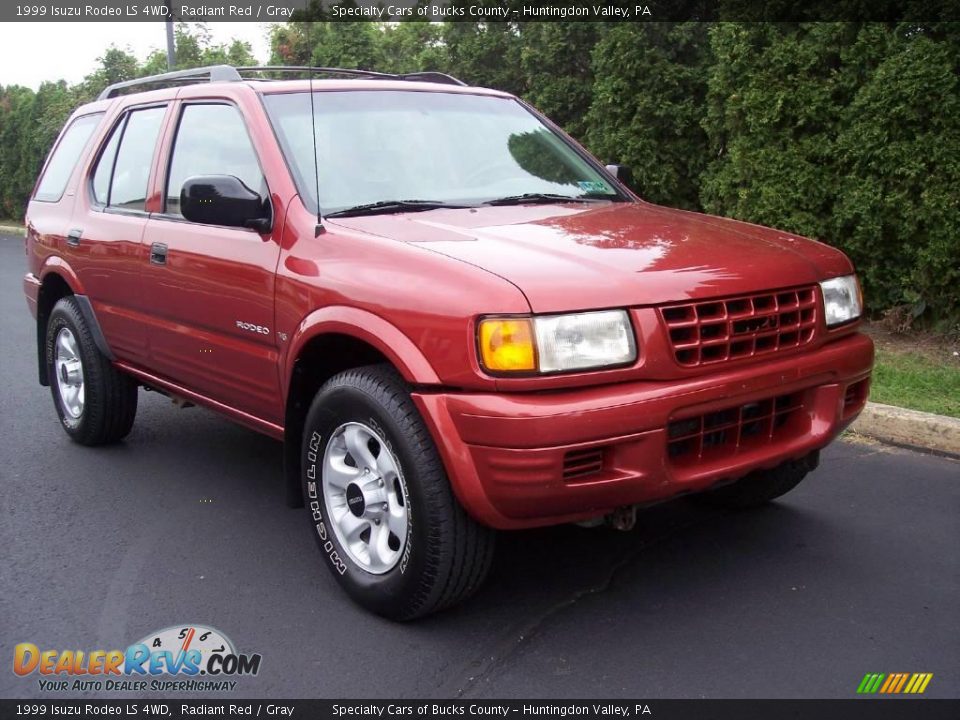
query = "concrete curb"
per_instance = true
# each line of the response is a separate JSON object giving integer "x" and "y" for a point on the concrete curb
{"x": 911, "y": 428}
{"x": 12, "y": 229}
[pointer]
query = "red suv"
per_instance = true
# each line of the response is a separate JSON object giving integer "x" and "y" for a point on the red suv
{"x": 453, "y": 316}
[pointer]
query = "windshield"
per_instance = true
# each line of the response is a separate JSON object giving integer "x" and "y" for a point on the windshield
{"x": 382, "y": 146}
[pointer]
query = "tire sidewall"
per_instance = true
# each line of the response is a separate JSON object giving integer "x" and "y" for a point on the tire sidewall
{"x": 388, "y": 592}
{"x": 61, "y": 318}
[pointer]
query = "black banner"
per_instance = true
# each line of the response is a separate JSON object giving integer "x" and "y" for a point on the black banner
{"x": 856, "y": 709}
{"x": 477, "y": 10}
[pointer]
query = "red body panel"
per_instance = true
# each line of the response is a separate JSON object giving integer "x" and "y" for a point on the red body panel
{"x": 414, "y": 285}
{"x": 582, "y": 257}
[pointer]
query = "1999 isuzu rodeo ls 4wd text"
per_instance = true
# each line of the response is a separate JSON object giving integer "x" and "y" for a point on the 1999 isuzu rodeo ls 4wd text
{"x": 453, "y": 316}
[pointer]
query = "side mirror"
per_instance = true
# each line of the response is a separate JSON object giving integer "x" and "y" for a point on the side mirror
{"x": 223, "y": 200}
{"x": 621, "y": 173}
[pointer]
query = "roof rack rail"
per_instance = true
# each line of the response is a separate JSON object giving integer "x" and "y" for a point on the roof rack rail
{"x": 432, "y": 76}
{"x": 228, "y": 73}
{"x": 427, "y": 76}
{"x": 211, "y": 73}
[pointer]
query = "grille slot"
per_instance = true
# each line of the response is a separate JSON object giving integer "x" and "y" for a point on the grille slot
{"x": 724, "y": 432}
{"x": 578, "y": 464}
{"x": 855, "y": 397}
{"x": 714, "y": 331}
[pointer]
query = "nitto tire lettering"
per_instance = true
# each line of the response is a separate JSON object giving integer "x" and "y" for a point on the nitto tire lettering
{"x": 315, "y": 510}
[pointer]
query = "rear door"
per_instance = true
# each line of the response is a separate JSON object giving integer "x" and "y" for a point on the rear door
{"x": 210, "y": 289}
{"x": 104, "y": 244}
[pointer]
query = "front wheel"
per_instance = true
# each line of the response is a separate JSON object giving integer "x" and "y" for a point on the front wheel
{"x": 379, "y": 503}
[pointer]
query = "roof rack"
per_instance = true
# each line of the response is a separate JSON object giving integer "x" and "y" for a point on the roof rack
{"x": 228, "y": 73}
{"x": 211, "y": 73}
{"x": 427, "y": 76}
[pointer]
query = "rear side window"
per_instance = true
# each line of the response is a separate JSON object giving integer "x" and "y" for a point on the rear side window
{"x": 64, "y": 158}
{"x": 104, "y": 170}
{"x": 212, "y": 140}
{"x": 131, "y": 167}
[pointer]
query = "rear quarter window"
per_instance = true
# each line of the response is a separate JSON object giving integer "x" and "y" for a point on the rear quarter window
{"x": 64, "y": 158}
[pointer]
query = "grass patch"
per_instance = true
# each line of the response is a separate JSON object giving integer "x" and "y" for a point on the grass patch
{"x": 11, "y": 227}
{"x": 917, "y": 380}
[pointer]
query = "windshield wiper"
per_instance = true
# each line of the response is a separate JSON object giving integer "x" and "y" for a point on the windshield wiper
{"x": 544, "y": 198}
{"x": 393, "y": 206}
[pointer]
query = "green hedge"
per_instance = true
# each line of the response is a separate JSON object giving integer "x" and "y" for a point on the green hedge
{"x": 846, "y": 132}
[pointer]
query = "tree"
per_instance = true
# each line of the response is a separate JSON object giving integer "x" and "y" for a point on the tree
{"x": 486, "y": 53}
{"x": 897, "y": 208}
{"x": 648, "y": 103}
{"x": 116, "y": 65}
{"x": 413, "y": 46}
{"x": 556, "y": 60}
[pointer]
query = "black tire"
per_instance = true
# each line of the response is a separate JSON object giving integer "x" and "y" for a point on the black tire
{"x": 110, "y": 396}
{"x": 447, "y": 554}
{"x": 762, "y": 486}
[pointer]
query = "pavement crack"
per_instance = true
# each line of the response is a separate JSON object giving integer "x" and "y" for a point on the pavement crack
{"x": 519, "y": 638}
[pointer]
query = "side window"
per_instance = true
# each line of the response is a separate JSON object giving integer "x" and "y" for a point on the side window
{"x": 131, "y": 170}
{"x": 104, "y": 169}
{"x": 64, "y": 158}
{"x": 211, "y": 140}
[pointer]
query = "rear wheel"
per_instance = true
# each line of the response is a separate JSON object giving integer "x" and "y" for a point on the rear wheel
{"x": 379, "y": 503}
{"x": 95, "y": 402}
{"x": 762, "y": 486}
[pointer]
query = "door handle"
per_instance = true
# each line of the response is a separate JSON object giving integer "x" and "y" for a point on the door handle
{"x": 158, "y": 254}
{"x": 73, "y": 237}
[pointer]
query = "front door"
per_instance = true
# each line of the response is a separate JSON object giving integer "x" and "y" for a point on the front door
{"x": 210, "y": 289}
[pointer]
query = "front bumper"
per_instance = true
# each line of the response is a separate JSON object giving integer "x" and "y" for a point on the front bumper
{"x": 520, "y": 460}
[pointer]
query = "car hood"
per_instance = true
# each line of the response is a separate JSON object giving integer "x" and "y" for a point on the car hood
{"x": 576, "y": 256}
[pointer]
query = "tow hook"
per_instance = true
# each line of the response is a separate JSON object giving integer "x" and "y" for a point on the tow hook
{"x": 623, "y": 518}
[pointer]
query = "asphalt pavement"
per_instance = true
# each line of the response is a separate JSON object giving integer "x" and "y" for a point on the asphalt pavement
{"x": 856, "y": 571}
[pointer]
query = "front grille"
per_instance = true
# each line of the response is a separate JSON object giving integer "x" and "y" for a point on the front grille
{"x": 579, "y": 464}
{"x": 713, "y": 331}
{"x": 725, "y": 432}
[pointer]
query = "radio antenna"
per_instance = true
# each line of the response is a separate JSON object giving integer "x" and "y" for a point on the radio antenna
{"x": 319, "y": 230}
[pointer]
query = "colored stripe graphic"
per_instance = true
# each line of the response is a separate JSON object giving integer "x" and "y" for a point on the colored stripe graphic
{"x": 894, "y": 683}
{"x": 903, "y": 679}
{"x": 870, "y": 683}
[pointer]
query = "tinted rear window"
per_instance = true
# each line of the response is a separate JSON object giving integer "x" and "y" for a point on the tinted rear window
{"x": 131, "y": 169}
{"x": 64, "y": 158}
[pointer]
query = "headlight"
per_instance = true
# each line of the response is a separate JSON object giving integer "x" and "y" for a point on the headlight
{"x": 842, "y": 301}
{"x": 557, "y": 343}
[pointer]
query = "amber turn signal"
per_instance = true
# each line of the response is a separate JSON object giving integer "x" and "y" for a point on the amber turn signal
{"x": 506, "y": 345}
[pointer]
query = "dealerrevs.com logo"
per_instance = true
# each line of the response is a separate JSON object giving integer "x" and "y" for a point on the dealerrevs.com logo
{"x": 178, "y": 658}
